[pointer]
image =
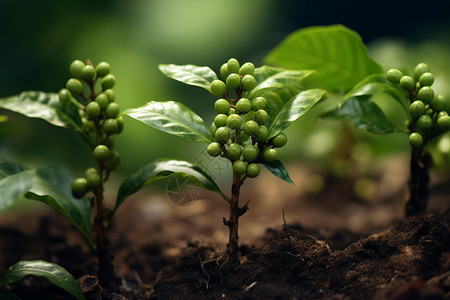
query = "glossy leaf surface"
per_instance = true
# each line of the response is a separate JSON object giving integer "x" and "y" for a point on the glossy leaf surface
{"x": 190, "y": 74}
{"x": 278, "y": 169}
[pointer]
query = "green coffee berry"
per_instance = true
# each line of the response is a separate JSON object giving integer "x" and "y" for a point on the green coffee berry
{"x": 251, "y": 128}
{"x": 439, "y": 103}
{"x": 90, "y": 170}
{"x": 443, "y": 123}
{"x": 243, "y": 136}
{"x": 88, "y": 73}
{"x": 270, "y": 155}
{"x": 243, "y": 106}
{"x": 253, "y": 170}
{"x": 103, "y": 69}
{"x": 109, "y": 142}
{"x": 426, "y": 79}
{"x": 231, "y": 111}
{"x": 249, "y": 116}
{"x": 262, "y": 134}
{"x": 218, "y": 88}
{"x": 416, "y": 109}
{"x": 74, "y": 86}
{"x": 120, "y": 124}
{"x": 222, "y": 135}
{"x": 112, "y": 110}
{"x": 246, "y": 69}
{"x": 212, "y": 129}
{"x": 420, "y": 69}
{"x": 224, "y": 71}
{"x": 424, "y": 123}
{"x": 250, "y": 152}
{"x": 108, "y": 82}
{"x": 239, "y": 167}
{"x": 394, "y": 75}
{"x": 101, "y": 153}
{"x": 407, "y": 83}
{"x": 279, "y": 140}
{"x": 261, "y": 117}
{"x": 102, "y": 100}
{"x": 426, "y": 94}
{"x": 258, "y": 103}
{"x": 64, "y": 96}
{"x": 220, "y": 120}
{"x": 429, "y": 111}
{"x": 79, "y": 187}
{"x": 234, "y": 151}
{"x": 415, "y": 140}
{"x": 222, "y": 106}
{"x": 89, "y": 126}
{"x": 233, "y": 81}
{"x": 110, "y": 126}
{"x": 93, "y": 110}
{"x": 233, "y": 65}
{"x": 248, "y": 82}
{"x": 93, "y": 180}
{"x": 214, "y": 149}
{"x": 113, "y": 161}
{"x": 234, "y": 121}
{"x": 110, "y": 94}
{"x": 76, "y": 67}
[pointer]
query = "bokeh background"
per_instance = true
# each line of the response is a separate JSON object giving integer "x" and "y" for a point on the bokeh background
{"x": 39, "y": 39}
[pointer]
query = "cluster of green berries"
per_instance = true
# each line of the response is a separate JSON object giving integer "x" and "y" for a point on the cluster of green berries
{"x": 428, "y": 113}
{"x": 238, "y": 128}
{"x": 90, "y": 89}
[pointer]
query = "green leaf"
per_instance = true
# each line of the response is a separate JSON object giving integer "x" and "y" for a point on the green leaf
{"x": 190, "y": 74}
{"x": 15, "y": 181}
{"x": 165, "y": 168}
{"x": 45, "y": 106}
{"x": 50, "y": 271}
{"x": 278, "y": 169}
{"x": 174, "y": 118}
{"x": 364, "y": 114}
{"x": 8, "y": 168}
{"x": 284, "y": 109}
{"x": 337, "y": 53}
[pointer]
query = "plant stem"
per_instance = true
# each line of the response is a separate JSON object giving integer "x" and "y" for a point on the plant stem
{"x": 418, "y": 184}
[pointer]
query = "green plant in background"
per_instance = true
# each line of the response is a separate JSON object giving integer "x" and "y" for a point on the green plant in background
{"x": 254, "y": 107}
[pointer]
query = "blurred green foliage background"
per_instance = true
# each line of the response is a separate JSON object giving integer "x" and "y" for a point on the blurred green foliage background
{"x": 39, "y": 39}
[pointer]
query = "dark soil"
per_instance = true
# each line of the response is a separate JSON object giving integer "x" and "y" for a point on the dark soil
{"x": 344, "y": 248}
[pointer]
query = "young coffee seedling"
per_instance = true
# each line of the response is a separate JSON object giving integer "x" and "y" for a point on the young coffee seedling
{"x": 253, "y": 109}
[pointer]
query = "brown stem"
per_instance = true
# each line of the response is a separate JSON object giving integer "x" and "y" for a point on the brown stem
{"x": 418, "y": 184}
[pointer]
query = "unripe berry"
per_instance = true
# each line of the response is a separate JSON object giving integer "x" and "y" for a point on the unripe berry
{"x": 222, "y": 135}
{"x": 415, "y": 140}
{"x": 90, "y": 170}
{"x": 239, "y": 167}
{"x": 112, "y": 110}
{"x": 262, "y": 134}
{"x": 89, "y": 126}
{"x": 76, "y": 67}
{"x": 214, "y": 149}
{"x": 120, "y": 124}
{"x": 102, "y": 100}
{"x": 253, "y": 170}
{"x": 218, "y": 88}
{"x": 212, "y": 129}
{"x": 243, "y": 136}
{"x": 88, "y": 73}
{"x": 394, "y": 75}
{"x": 279, "y": 140}
{"x": 231, "y": 111}
{"x": 234, "y": 121}
{"x": 439, "y": 103}
{"x": 270, "y": 155}
{"x": 420, "y": 69}
{"x": 110, "y": 94}
{"x": 220, "y": 120}
{"x": 233, "y": 81}
{"x": 250, "y": 152}
{"x": 110, "y": 126}
{"x": 426, "y": 79}
{"x": 109, "y": 142}
{"x": 64, "y": 96}
{"x": 233, "y": 65}
{"x": 74, "y": 86}
{"x": 79, "y": 187}
{"x": 224, "y": 71}
{"x": 407, "y": 83}
{"x": 426, "y": 94}
{"x": 248, "y": 82}
{"x": 103, "y": 69}
{"x": 93, "y": 110}
{"x": 247, "y": 68}
{"x": 251, "y": 128}
{"x": 258, "y": 103}
{"x": 416, "y": 109}
{"x": 261, "y": 117}
{"x": 113, "y": 161}
{"x": 243, "y": 106}
{"x": 222, "y": 106}
{"x": 93, "y": 180}
{"x": 101, "y": 153}
{"x": 424, "y": 123}
{"x": 249, "y": 116}
{"x": 234, "y": 151}
{"x": 443, "y": 123}
{"x": 108, "y": 82}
